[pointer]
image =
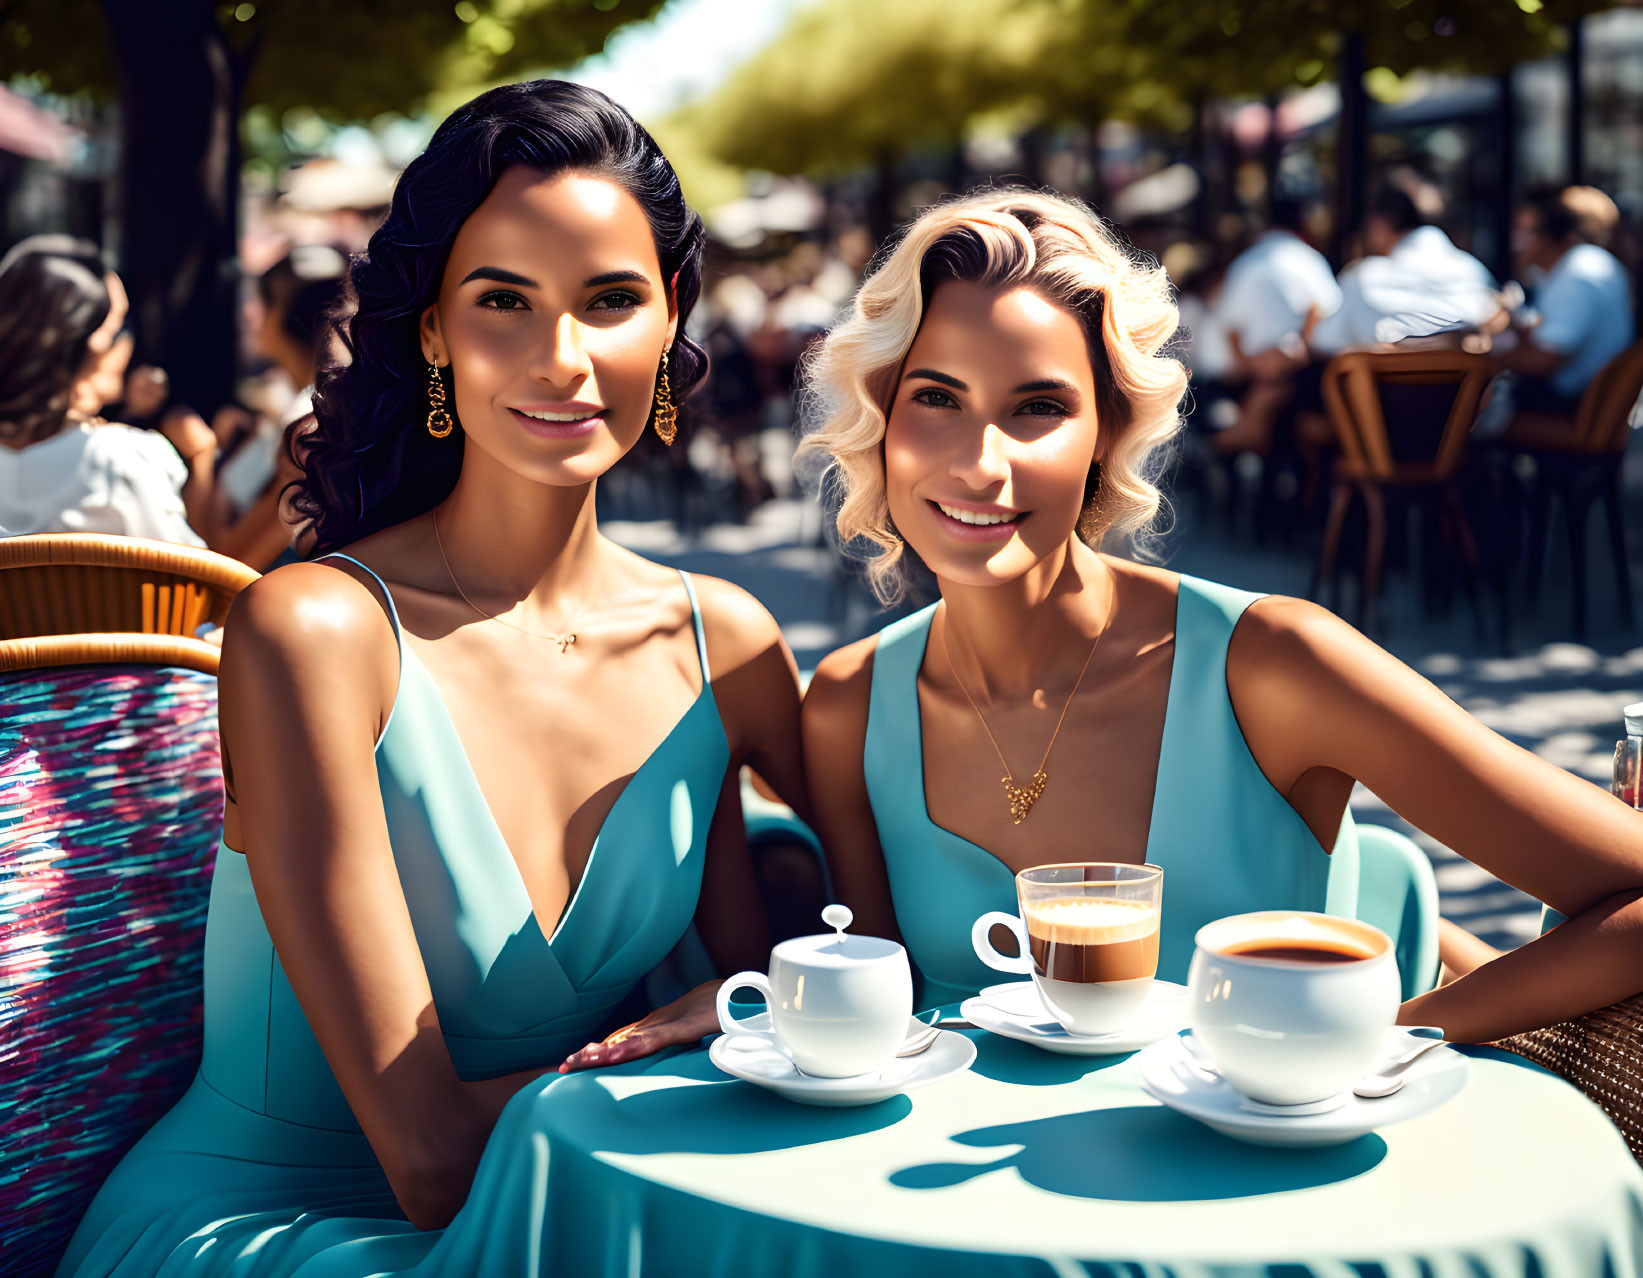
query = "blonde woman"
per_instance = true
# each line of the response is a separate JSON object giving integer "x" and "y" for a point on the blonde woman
{"x": 995, "y": 403}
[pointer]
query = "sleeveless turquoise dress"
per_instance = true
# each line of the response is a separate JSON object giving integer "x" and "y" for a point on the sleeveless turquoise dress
{"x": 260, "y": 1169}
{"x": 1228, "y": 841}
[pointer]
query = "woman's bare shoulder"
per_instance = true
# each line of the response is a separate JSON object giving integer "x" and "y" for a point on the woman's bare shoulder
{"x": 837, "y": 700}
{"x": 307, "y": 621}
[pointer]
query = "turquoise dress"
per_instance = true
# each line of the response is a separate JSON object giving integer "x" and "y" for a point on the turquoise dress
{"x": 1228, "y": 841}
{"x": 261, "y": 1169}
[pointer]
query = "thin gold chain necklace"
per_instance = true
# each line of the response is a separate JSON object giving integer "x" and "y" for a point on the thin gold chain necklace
{"x": 1020, "y": 797}
{"x": 564, "y": 641}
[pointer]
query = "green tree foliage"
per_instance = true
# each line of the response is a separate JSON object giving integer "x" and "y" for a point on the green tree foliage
{"x": 852, "y": 81}
{"x": 1241, "y": 47}
{"x": 346, "y": 59}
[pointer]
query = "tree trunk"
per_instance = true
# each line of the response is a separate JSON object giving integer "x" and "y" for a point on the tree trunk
{"x": 1575, "y": 71}
{"x": 881, "y": 199}
{"x": 180, "y": 107}
{"x": 1351, "y": 148}
{"x": 1505, "y": 184}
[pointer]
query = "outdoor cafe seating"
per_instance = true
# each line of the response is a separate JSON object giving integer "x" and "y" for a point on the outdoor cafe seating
{"x": 1029, "y": 1160}
{"x": 1576, "y": 464}
{"x": 1402, "y": 419}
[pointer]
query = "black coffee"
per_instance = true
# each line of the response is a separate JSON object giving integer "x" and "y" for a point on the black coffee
{"x": 1290, "y": 952}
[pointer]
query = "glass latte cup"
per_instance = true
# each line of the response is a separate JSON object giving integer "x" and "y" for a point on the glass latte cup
{"x": 1088, "y": 936}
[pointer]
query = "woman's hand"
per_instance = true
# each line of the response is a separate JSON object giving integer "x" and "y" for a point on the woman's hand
{"x": 685, "y": 1020}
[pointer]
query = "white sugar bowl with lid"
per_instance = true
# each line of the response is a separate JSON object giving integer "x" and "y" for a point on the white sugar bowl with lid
{"x": 839, "y": 1004}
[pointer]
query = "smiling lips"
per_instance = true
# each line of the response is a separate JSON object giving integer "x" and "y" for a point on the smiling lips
{"x": 969, "y": 523}
{"x": 560, "y": 421}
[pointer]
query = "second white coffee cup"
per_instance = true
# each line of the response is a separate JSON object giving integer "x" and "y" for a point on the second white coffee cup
{"x": 839, "y": 1005}
{"x": 1290, "y": 1005}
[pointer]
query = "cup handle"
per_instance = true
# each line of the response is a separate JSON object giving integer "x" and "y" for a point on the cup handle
{"x": 733, "y": 1028}
{"x": 1021, "y": 964}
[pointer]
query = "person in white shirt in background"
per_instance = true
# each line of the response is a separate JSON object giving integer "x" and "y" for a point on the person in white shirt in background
{"x": 1583, "y": 300}
{"x": 253, "y": 466}
{"x": 61, "y": 360}
{"x": 1412, "y": 282}
{"x": 1274, "y": 294}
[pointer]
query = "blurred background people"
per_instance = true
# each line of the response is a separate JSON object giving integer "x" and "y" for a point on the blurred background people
{"x": 1411, "y": 282}
{"x": 240, "y": 458}
{"x": 1274, "y": 294}
{"x": 1582, "y": 306}
{"x": 62, "y": 359}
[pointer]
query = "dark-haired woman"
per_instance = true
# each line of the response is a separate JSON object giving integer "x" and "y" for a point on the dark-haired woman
{"x": 61, "y": 360}
{"x": 481, "y": 762}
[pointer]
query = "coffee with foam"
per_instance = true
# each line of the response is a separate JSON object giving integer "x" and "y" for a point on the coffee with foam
{"x": 1085, "y": 939}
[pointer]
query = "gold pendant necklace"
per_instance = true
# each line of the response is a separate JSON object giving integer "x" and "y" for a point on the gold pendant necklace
{"x": 1020, "y": 797}
{"x": 564, "y": 641}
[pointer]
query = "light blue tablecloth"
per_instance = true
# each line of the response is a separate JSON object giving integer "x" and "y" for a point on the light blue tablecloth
{"x": 1034, "y": 1164}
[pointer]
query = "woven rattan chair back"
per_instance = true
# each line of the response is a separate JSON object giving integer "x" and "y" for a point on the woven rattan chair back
{"x": 1353, "y": 385}
{"x": 110, "y": 807}
{"x": 1603, "y": 420}
{"x": 90, "y": 583}
{"x": 1602, "y": 1054}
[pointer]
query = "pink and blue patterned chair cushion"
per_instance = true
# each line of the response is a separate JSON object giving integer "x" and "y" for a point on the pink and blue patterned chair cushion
{"x": 110, "y": 808}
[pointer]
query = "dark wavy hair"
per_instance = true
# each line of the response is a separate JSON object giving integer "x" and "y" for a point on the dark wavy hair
{"x": 367, "y": 460}
{"x": 53, "y": 297}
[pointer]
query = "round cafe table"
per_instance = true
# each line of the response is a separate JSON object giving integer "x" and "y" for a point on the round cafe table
{"x": 1032, "y": 1163}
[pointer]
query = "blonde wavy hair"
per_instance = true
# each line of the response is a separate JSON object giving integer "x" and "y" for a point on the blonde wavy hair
{"x": 1061, "y": 250}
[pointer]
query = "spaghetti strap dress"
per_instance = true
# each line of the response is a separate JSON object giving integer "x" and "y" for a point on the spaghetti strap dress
{"x": 1228, "y": 841}
{"x": 260, "y": 1169}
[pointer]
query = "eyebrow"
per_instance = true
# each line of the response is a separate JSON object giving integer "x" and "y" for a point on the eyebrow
{"x": 1044, "y": 384}
{"x": 499, "y": 276}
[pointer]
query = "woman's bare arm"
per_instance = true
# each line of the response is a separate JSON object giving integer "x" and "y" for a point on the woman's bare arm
{"x": 1312, "y": 693}
{"x": 835, "y": 732}
{"x": 308, "y": 672}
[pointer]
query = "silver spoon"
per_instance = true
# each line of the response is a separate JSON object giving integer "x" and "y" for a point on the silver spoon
{"x": 1386, "y": 1081}
{"x": 1390, "y": 1078}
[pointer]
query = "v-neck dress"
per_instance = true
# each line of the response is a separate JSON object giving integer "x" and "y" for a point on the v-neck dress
{"x": 1228, "y": 841}
{"x": 261, "y": 1169}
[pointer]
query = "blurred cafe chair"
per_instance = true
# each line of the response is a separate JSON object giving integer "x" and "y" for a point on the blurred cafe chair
{"x": 1398, "y": 893}
{"x": 110, "y": 808}
{"x": 1577, "y": 463}
{"x": 1401, "y": 420}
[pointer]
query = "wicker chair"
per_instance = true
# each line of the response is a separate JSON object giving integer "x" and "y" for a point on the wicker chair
{"x": 1401, "y": 418}
{"x": 110, "y": 807}
{"x": 84, "y": 598}
{"x": 1602, "y": 1054}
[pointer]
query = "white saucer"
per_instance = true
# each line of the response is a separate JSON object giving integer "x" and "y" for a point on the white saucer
{"x": 1168, "y": 1076}
{"x": 1014, "y": 1010}
{"x": 761, "y": 1064}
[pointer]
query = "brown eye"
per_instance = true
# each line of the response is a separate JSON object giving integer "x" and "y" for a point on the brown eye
{"x": 618, "y": 301}
{"x": 503, "y": 300}
{"x": 932, "y": 398}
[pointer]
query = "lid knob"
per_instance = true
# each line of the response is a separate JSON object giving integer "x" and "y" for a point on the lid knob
{"x": 837, "y": 917}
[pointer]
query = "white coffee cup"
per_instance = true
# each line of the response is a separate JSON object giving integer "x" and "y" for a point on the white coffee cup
{"x": 839, "y": 1005}
{"x": 1291, "y": 1031}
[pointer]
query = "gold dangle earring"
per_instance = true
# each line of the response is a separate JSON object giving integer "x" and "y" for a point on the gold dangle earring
{"x": 439, "y": 421}
{"x": 666, "y": 415}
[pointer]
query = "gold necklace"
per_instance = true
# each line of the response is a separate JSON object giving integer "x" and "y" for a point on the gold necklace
{"x": 564, "y": 641}
{"x": 1020, "y": 797}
